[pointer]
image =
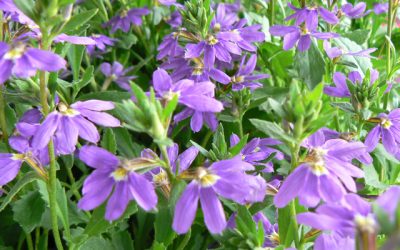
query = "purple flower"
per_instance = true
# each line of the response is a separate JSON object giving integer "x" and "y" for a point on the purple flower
{"x": 15, "y": 14}
{"x": 118, "y": 74}
{"x": 309, "y": 16}
{"x": 79, "y": 40}
{"x": 389, "y": 201}
{"x": 350, "y": 215}
{"x": 223, "y": 20}
{"x": 169, "y": 46}
{"x": 334, "y": 241}
{"x": 111, "y": 174}
{"x": 293, "y": 35}
{"x": 335, "y": 52}
{"x": 101, "y": 41}
{"x": 326, "y": 172}
{"x": 258, "y": 150}
{"x": 178, "y": 162}
{"x": 175, "y": 20}
{"x": 22, "y": 61}
{"x": 340, "y": 80}
{"x": 356, "y": 11}
{"x": 198, "y": 119}
{"x": 388, "y": 129}
{"x": 67, "y": 123}
{"x": 126, "y": 18}
{"x": 380, "y": 8}
{"x": 244, "y": 77}
{"x": 198, "y": 96}
{"x": 215, "y": 47}
{"x": 224, "y": 178}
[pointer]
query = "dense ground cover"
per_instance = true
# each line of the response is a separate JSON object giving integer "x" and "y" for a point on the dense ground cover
{"x": 163, "y": 124}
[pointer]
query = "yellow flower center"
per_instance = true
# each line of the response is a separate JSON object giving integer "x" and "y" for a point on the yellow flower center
{"x": 274, "y": 238}
{"x": 212, "y": 40}
{"x": 386, "y": 123}
{"x": 120, "y": 174}
{"x": 15, "y": 53}
{"x": 316, "y": 161}
{"x": 217, "y": 27}
{"x": 304, "y": 30}
{"x": 237, "y": 79}
{"x": 65, "y": 110}
{"x": 160, "y": 178}
{"x": 365, "y": 223}
{"x": 205, "y": 178}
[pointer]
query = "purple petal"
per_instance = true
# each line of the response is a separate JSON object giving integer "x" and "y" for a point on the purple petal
{"x": 96, "y": 157}
{"x": 142, "y": 191}
{"x": 214, "y": 216}
{"x": 46, "y": 131}
{"x": 118, "y": 201}
{"x": 186, "y": 207}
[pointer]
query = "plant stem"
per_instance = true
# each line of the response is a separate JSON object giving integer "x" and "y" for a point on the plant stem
{"x": 106, "y": 83}
{"x": 388, "y": 48}
{"x": 29, "y": 241}
{"x": 168, "y": 168}
{"x": 240, "y": 125}
{"x": 51, "y": 184}
{"x": 3, "y": 122}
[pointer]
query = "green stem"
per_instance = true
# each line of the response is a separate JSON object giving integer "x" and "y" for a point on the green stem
{"x": 240, "y": 125}
{"x": 3, "y": 122}
{"x": 388, "y": 49}
{"x": 107, "y": 83}
{"x": 51, "y": 183}
{"x": 294, "y": 224}
{"x": 29, "y": 241}
{"x": 167, "y": 167}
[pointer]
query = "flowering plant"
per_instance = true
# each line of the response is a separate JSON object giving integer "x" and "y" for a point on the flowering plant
{"x": 199, "y": 124}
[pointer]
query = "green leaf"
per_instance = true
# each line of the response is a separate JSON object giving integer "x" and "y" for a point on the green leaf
{"x": 169, "y": 108}
{"x": 345, "y": 106}
{"x": 28, "y": 211}
{"x": 26, "y": 179}
{"x": 271, "y": 129}
{"x": 75, "y": 55}
{"x": 362, "y": 63}
{"x": 286, "y": 234}
{"x": 11, "y": 118}
{"x": 86, "y": 78}
{"x": 122, "y": 241}
{"x": 98, "y": 225}
{"x": 310, "y": 66}
{"x": 28, "y": 8}
{"x": 62, "y": 204}
{"x": 94, "y": 243}
{"x": 245, "y": 222}
{"x": 372, "y": 177}
{"x": 163, "y": 227}
{"x": 114, "y": 96}
{"x": 126, "y": 147}
{"x": 108, "y": 141}
{"x": 78, "y": 20}
{"x": 358, "y": 36}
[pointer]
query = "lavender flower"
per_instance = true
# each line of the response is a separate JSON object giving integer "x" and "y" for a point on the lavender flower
{"x": 334, "y": 241}
{"x": 175, "y": 20}
{"x": 79, "y": 40}
{"x": 258, "y": 150}
{"x": 356, "y": 11}
{"x": 336, "y": 52}
{"x": 118, "y": 74}
{"x": 101, "y": 41}
{"x": 197, "y": 96}
{"x": 341, "y": 89}
{"x": 223, "y": 178}
{"x": 244, "y": 76}
{"x": 223, "y": 20}
{"x": 69, "y": 122}
{"x": 325, "y": 173}
{"x": 388, "y": 129}
{"x": 22, "y": 61}
{"x": 293, "y": 35}
{"x": 169, "y": 46}
{"x": 389, "y": 201}
{"x": 126, "y": 18}
{"x": 350, "y": 215}
{"x": 198, "y": 119}
{"x": 110, "y": 174}
{"x": 380, "y": 8}
{"x": 309, "y": 16}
